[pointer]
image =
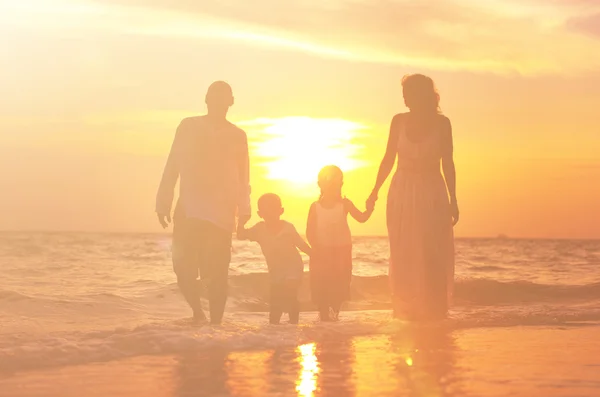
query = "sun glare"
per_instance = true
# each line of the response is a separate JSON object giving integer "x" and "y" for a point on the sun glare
{"x": 294, "y": 149}
{"x": 307, "y": 383}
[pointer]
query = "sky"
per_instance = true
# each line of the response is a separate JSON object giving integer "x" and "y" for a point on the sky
{"x": 94, "y": 90}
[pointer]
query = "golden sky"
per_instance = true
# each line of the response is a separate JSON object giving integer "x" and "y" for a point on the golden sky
{"x": 92, "y": 92}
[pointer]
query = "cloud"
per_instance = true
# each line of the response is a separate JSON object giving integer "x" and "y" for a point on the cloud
{"x": 588, "y": 24}
{"x": 530, "y": 36}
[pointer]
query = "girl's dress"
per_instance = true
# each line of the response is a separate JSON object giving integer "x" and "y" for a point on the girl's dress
{"x": 420, "y": 228}
{"x": 331, "y": 259}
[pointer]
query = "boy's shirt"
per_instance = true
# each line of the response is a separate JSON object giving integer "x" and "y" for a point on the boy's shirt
{"x": 280, "y": 250}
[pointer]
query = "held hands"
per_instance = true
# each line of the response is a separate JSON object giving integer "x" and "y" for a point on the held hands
{"x": 370, "y": 204}
{"x": 242, "y": 220}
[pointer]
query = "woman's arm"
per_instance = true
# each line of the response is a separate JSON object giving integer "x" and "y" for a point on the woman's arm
{"x": 448, "y": 167}
{"x": 358, "y": 215}
{"x": 388, "y": 160}
{"x": 311, "y": 226}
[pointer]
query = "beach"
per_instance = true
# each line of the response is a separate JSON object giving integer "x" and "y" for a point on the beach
{"x": 516, "y": 361}
{"x": 442, "y": 156}
{"x": 101, "y": 314}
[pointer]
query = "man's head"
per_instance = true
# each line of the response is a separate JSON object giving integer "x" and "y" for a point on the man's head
{"x": 269, "y": 207}
{"x": 219, "y": 97}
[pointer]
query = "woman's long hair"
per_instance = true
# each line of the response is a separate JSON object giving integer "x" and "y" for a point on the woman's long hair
{"x": 420, "y": 94}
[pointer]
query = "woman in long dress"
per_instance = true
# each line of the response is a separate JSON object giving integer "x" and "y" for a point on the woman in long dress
{"x": 421, "y": 207}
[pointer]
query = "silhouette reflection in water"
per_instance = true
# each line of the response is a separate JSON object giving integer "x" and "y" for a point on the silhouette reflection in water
{"x": 417, "y": 361}
{"x": 335, "y": 359}
{"x": 425, "y": 362}
{"x": 203, "y": 374}
{"x": 283, "y": 366}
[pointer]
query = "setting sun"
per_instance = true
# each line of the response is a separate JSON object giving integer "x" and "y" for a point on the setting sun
{"x": 168, "y": 231}
{"x": 294, "y": 149}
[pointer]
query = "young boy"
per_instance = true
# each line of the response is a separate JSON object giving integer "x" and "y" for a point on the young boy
{"x": 279, "y": 242}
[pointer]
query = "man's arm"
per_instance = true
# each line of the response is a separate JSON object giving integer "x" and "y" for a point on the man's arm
{"x": 166, "y": 189}
{"x": 247, "y": 234}
{"x": 243, "y": 203}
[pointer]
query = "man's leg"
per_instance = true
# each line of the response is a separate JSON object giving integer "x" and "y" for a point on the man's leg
{"x": 185, "y": 263}
{"x": 215, "y": 255}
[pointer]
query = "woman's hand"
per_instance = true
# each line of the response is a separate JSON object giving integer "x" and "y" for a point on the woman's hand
{"x": 370, "y": 204}
{"x": 454, "y": 211}
{"x": 164, "y": 219}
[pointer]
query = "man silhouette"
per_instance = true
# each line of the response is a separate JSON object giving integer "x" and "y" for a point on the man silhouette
{"x": 210, "y": 157}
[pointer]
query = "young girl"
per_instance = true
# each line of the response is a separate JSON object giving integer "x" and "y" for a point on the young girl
{"x": 328, "y": 234}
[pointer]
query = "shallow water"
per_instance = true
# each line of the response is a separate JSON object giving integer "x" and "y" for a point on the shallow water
{"x": 423, "y": 361}
{"x": 72, "y": 299}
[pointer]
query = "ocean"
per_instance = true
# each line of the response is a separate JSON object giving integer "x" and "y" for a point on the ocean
{"x": 72, "y": 299}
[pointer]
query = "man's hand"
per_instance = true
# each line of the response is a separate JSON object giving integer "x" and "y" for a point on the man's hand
{"x": 164, "y": 220}
{"x": 240, "y": 230}
{"x": 242, "y": 220}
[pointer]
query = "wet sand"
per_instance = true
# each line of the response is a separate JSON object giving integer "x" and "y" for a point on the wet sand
{"x": 424, "y": 361}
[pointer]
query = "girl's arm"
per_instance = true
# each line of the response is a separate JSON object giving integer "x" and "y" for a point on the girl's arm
{"x": 448, "y": 167}
{"x": 302, "y": 245}
{"x": 388, "y": 160}
{"x": 358, "y": 215}
{"x": 311, "y": 226}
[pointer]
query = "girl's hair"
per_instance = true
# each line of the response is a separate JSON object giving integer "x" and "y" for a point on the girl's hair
{"x": 331, "y": 179}
{"x": 420, "y": 94}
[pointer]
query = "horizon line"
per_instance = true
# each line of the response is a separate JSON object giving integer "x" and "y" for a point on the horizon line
{"x": 499, "y": 236}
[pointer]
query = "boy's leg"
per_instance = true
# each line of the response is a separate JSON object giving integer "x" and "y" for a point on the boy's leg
{"x": 185, "y": 263}
{"x": 276, "y": 302}
{"x": 215, "y": 256}
{"x": 293, "y": 305}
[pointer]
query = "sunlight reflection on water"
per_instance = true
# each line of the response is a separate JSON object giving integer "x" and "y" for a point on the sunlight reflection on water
{"x": 307, "y": 382}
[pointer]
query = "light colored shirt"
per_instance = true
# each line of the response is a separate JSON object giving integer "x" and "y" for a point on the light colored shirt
{"x": 332, "y": 228}
{"x": 280, "y": 250}
{"x": 212, "y": 165}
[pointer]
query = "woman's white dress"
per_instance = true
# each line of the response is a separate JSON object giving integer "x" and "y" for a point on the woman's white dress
{"x": 420, "y": 227}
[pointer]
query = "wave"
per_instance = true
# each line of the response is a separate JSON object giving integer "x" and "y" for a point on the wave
{"x": 248, "y": 331}
{"x": 12, "y": 296}
{"x": 250, "y": 292}
{"x": 374, "y": 292}
{"x": 493, "y": 292}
